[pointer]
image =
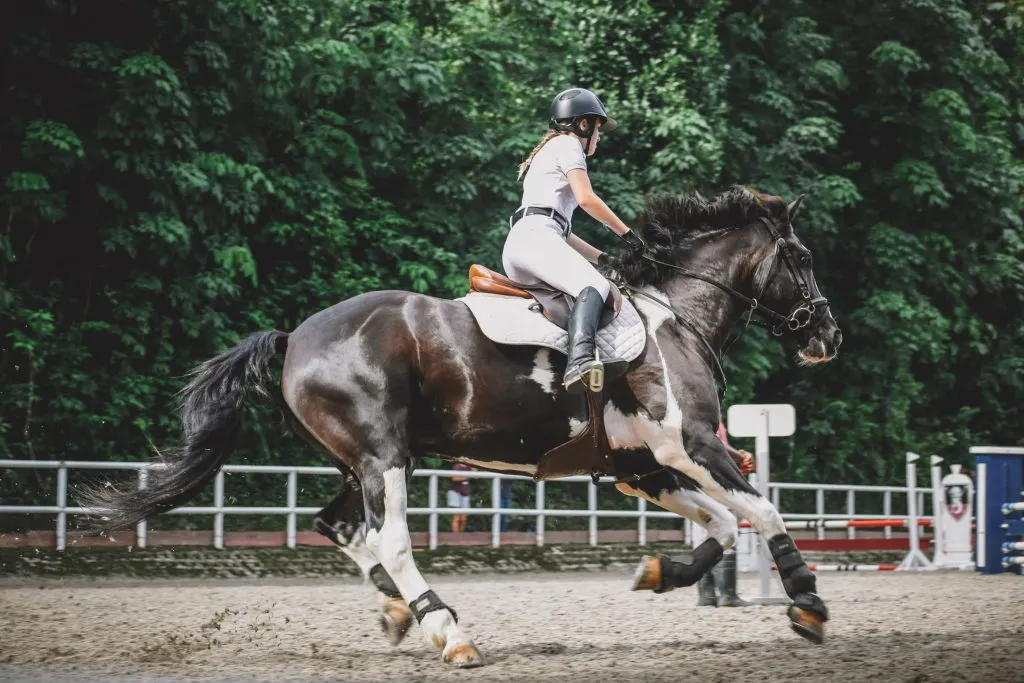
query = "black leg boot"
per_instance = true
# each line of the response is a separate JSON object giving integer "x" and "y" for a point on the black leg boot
{"x": 582, "y": 371}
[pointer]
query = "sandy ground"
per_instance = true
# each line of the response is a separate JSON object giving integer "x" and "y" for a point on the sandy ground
{"x": 566, "y": 627}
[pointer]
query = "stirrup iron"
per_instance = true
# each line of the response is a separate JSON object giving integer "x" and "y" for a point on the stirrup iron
{"x": 595, "y": 376}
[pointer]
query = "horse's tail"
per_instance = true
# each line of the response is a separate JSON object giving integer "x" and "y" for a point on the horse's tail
{"x": 211, "y": 416}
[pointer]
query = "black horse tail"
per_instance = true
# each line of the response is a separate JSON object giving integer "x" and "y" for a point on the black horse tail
{"x": 211, "y": 416}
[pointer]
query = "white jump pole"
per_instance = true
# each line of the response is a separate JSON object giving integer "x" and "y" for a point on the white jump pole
{"x": 915, "y": 559}
{"x": 938, "y": 537}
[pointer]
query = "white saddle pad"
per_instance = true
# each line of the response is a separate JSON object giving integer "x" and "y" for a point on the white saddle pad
{"x": 509, "y": 320}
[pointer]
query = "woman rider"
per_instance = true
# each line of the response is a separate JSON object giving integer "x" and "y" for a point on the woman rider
{"x": 541, "y": 248}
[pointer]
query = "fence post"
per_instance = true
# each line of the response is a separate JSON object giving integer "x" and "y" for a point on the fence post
{"x": 540, "y": 516}
{"x": 62, "y": 503}
{"x": 141, "y": 528}
{"x": 432, "y": 517}
{"x": 218, "y": 517}
{"x": 819, "y": 504}
{"x": 641, "y": 531}
{"x": 592, "y": 506}
{"x": 887, "y": 511}
{"x": 496, "y": 517}
{"x": 293, "y": 501}
{"x": 851, "y": 532}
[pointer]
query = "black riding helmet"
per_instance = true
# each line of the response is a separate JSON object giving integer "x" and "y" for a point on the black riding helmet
{"x": 575, "y": 105}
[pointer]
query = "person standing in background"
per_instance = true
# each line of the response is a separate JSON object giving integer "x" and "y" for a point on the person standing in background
{"x": 458, "y": 497}
{"x": 723, "y": 574}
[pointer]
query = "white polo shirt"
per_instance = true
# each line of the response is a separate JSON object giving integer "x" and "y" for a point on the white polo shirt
{"x": 545, "y": 183}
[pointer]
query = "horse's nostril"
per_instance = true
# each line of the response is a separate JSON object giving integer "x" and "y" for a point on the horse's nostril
{"x": 837, "y": 339}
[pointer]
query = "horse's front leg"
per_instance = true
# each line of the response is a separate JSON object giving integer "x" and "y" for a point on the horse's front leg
{"x": 705, "y": 461}
{"x": 683, "y": 497}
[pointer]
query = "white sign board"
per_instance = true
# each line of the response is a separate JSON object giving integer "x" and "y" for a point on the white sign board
{"x": 750, "y": 419}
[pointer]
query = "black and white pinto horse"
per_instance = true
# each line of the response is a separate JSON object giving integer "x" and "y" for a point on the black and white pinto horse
{"x": 384, "y": 377}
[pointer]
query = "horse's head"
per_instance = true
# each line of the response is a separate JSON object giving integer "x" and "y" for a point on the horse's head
{"x": 783, "y": 282}
{"x": 741, "y": 242}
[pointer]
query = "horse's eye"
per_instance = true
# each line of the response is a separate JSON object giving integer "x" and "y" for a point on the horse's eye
{"x": 805, "y": 259}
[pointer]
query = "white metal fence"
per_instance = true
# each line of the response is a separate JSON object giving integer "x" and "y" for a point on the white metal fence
{"x": 292, "y": 510}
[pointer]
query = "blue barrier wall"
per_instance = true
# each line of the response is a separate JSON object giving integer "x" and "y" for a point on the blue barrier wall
{"x": 999, "y": 474}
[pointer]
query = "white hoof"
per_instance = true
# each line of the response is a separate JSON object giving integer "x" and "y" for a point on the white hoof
{"x": 463, "y": 656}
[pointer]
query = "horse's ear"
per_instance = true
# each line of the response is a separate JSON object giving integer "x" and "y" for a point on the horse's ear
{"x": 794, "y": 207}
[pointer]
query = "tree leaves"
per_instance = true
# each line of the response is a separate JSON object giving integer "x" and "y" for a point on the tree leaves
{"x": 179, "y": 174}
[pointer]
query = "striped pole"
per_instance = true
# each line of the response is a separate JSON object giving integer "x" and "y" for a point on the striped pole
{"x": 812, "y": 524}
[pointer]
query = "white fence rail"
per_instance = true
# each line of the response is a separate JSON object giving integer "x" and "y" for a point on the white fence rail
{"x": 292, "y": 510}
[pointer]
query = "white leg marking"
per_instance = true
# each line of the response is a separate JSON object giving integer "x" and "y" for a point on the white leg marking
{"x": 394, "y": 549}
{"x": 358, "y": 552}
{"x": 701, "y": 509}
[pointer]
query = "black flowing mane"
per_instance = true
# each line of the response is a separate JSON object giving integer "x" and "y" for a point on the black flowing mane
{"x": 669, "y": 223}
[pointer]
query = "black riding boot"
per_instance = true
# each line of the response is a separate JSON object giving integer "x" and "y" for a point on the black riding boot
{"x": 706, "y": 596}
{"x": 582, "y": 371}
{"x": 725, "y": 578}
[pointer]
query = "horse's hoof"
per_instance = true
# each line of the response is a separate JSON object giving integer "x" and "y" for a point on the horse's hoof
{"x": 647, "y": 576}
{"x": 808, "y": 624}
{"x": 395, "y": 621}
{"x": 463, "y": 656}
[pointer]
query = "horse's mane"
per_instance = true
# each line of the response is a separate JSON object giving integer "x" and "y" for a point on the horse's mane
{"x": 669, "y": 223}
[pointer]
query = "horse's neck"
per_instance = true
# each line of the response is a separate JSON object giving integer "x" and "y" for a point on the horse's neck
{"x": 711, "y": 310}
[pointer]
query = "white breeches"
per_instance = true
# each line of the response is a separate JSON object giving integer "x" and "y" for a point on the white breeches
{"x": 535, "y": 252}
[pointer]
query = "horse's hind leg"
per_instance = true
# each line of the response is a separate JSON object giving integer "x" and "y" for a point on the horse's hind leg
{"x": 342, "y": 522}
{"x": 385, "y": 494}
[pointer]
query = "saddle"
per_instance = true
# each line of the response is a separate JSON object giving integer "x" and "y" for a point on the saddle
{"x": 588, "y": 453}
{"x": 553, "y": 304}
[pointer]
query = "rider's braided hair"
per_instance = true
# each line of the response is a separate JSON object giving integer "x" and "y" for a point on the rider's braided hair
{"x": 526, "y": 164}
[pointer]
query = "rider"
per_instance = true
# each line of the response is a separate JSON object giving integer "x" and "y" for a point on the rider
{"x": 541, "y": 248}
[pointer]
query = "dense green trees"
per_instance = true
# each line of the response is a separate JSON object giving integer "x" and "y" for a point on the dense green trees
{"x": 176, "y": 174}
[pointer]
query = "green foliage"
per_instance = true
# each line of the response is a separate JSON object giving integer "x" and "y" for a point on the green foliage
{"x": 178, "y": 174}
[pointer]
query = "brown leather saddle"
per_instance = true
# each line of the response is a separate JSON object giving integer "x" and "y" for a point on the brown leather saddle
{"x": 554, "y": 304}
{"x": 588, "y": 453}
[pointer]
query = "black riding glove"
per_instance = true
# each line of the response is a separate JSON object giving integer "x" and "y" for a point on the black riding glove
{"x": 634, "y": 242}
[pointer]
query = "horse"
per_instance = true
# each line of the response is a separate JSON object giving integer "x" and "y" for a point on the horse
{"x": 383, "y": 378}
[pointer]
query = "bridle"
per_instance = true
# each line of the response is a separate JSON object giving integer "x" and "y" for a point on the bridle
{"x": 808, "y": 310}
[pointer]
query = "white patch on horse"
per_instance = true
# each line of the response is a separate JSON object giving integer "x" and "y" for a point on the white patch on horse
{"x": 542, "y": 372}
{"x": 356, "y": 549}
{"x": 576, "y": 427}
{"x": 655, "y": 314}
{"x": 759, "y": 511}
{"x": 498, "y": 465}
{"x": 699, "y": 508}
